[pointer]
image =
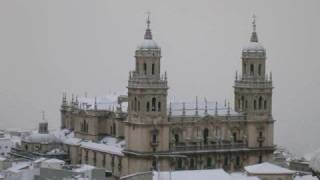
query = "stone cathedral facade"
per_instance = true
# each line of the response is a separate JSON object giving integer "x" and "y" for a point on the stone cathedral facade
{"x": 157, "y": 134}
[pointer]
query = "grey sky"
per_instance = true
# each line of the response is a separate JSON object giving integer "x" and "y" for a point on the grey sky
{"x": 48, "y": 47}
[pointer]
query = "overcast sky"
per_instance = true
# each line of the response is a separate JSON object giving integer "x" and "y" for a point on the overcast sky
{"x": 78, "y": 46}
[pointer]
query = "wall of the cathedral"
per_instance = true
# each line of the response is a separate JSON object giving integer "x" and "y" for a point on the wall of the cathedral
{"x": 146, "y": 137}
{"x": 112, "y": 163}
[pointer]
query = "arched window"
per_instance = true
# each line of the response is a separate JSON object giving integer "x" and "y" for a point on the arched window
{"x": 265, "y": 104}
{"x": 145, "y": 68}
{"x": 260, "y": 102}
{"x": 242, "y": 102}
{"x": 138, "y": 106}
{"x": 148, "y": 106}
{"x": 153, "y": 106}
{"x": 154, "y": 138}
{"x": 259, "y": 69}
{"x": 152, "y": 69}
{"x": 205, "y": 135}
{"x": 246, "y": 104}
{"x": 244, "y": 68}
{"x": 135, "y": 104}
{"x": 159, "y": 106}
{"x": 234, "y": 135}
{"x": 254, "y": 104}
{"x": 251, "y": 69}
{"x": 176, "y": 138}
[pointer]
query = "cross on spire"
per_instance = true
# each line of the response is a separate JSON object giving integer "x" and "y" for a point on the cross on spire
{"x": 254, "y": 22}
{"x": 254, "y": 36}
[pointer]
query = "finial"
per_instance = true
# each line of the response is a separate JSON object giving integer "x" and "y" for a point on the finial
{"x": 72, "y": 99}
{"x": 254, "y": 26}
{"x": 148, "y": 19}
{"x": 170, "y": 109}
{"x": 165, "y": 75}
{"x": 206, "y": 106}
{"x": 254, "y": 36}
{"x": 197, "y": 113}
{"x": 236, "y": 75}
{"x": 95, "y": 103}
{"x": 183, "y": 108}
{"x": 43, "y": 116}
{"x": 64, "y": 98}
{"x": 228, "y": 110}
{"x": 216, "y": 109}
{"x": 148, "y": 34}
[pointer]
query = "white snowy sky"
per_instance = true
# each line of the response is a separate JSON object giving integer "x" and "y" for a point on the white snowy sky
{"x": 48, "y": 47}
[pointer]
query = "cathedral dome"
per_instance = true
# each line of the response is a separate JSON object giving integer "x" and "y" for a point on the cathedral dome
{"x": 253, "y": 46}
{"x": 41, "y": 138}
{"x": 148, "y": 44}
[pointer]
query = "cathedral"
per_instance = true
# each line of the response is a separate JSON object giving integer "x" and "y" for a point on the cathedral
{"x": 142, "y": 131}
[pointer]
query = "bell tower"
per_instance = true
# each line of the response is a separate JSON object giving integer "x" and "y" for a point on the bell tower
{"x": 146, "y": 128}
{"x": 253, "y": 88}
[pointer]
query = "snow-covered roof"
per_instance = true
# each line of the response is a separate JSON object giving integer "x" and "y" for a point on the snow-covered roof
{"x": 307, "y": 177}
{"x": 107, "y": 102}
{"x": 253, "y": 46}
{"x": 56, "y": 151}
{"x": 107, "y": 148}
{"x": 17, "y": 167}
{"x": 83, "y": 167}
{"x": 148, "y": 44}
{"x": 53, "y": 160}
{"x": 36, "y": 137}
{"x": 267, "y": 168}
{"x": 192, "y": 175}
{"x": 208, "y": 174}
{"x": 315, "y": 161}
{"x": 242, "y": 176}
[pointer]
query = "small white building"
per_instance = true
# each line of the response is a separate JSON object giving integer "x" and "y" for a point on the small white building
{"x": 268, "y": 171}
{"x": 5, "y": 144}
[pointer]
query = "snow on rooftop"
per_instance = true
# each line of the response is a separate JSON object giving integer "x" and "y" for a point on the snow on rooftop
{"x": 315, "y": 161}
{"x": 83, "y": 167}
{"x": 242, "y": 176}
{"x": 192, "y": 175}
{"x": 53, "y": 160}
{"x": 107, "y": 148}
{"x": 107, "y": 102}
{"x": 17, "y": 167}
{"x": 307, "y": 177}
{"x": 267, "y": 168}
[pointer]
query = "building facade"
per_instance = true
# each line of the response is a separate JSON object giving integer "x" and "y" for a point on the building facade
{"x": 157, "y": 134}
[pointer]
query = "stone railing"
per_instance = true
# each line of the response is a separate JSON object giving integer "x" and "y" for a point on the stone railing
{"x": 209, "y": 147}
{"x": 253, "y": 84}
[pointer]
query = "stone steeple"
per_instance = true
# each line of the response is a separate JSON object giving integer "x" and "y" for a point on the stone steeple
{"x": 253, "y": 89}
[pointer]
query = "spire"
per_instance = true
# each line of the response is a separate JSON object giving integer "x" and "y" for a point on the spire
{"x": 95, "y": 103}
{"x": 206, "y": 106}
{"x": 148, "y": 34}
{"x": 254, "y": 35}
{"x": 197, "y": 113}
